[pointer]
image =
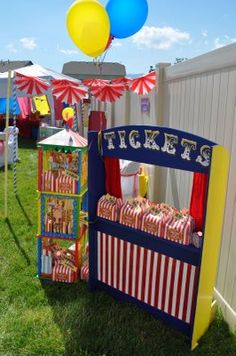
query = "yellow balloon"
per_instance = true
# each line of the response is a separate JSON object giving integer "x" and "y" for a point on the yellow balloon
{"x": 88, "y": 26}
{"x": 67, "y": 113}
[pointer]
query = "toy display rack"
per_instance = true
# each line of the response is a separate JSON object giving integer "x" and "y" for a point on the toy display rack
{"x": 62, "y": 195}
{"x": 171, "y": 281}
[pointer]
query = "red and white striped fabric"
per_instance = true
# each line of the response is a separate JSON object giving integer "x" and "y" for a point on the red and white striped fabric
{"x": 163, "y": 282}
{"x": 48, "y": 181}
{"x": 65, "y": 184}
{"x": 179, "y": 229}
{"x": 84, "y": 273}
{"x": 94, "y": 82}
{"x": 109, "y": 207}
{"x": 30, "y": 85}
{"x": 153, "y": 224}
{"x": 123, "y": 80}
{"x": 131, "y": 216}
{"x": 62, "y": 273}
{"x": 108, "y": 92}
{"x": 59, "y": 82}
{"x": 69, "y": 94}
{"x": 143, "y": 85}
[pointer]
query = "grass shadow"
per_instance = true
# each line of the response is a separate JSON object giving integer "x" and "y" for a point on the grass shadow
{"x": 96, "y": 324}
{"x": 22, "y": 251}
{"x": 27, "y": 143}
{"x": 24, "y": 211}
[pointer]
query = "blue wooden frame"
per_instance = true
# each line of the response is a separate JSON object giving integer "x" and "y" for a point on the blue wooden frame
{"x": 128, "y": 142}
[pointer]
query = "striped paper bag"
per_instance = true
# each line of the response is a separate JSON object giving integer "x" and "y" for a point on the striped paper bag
{"x": 153, "y": 221}
{"x": 66, "y": 184}
{"x": 84, "y": 273}
{"x": 131, "y": 214}
{"x": 64, "y": 274}
{"x": 109, "y": 207}
{"x": 179, "y": 228}
{"x": 48, "y": 181}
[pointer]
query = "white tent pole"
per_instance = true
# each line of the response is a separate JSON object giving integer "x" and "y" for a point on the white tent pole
{"x": 6, "y": 143}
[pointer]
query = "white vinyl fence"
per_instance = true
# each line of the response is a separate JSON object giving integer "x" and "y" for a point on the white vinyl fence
{"x": 198, "y": 96}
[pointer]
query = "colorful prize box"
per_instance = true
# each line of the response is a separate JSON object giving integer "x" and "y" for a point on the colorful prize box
{"x": 63, "y": 163}
{"x": 59, "y": 216}
{"x": 58, "y": 260}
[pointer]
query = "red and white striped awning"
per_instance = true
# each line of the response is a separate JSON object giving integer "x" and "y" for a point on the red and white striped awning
{"x": 108, "y": 92}
{"x": 59, "y": 82}
{"x": 69, "y": 94}
{"x": 123, "y": 80}
{"x": 143, "y": 85}
{"x": 94, "y": 82}
{"x": 30, "y": 85}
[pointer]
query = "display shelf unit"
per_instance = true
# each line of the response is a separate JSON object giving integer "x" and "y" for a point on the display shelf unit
{"x": 171, "y": 281}
{"x": 189, "y": 254}
{"x": 62, "y": 191}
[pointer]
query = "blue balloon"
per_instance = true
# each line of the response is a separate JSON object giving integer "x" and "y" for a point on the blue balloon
{"x": 126, "y": 16}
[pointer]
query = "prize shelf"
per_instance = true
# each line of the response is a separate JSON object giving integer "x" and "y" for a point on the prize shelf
{"x": 185, "y": 253}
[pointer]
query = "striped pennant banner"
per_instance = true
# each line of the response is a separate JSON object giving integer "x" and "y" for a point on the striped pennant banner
{"x": 14, "y": 135}
{"x": 155, "y": 279}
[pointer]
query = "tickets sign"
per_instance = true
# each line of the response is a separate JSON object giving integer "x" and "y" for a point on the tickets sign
{"x": 158, "y": 145}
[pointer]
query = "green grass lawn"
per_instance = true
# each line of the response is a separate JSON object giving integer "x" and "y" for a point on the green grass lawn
{"x": 53, "y": 319}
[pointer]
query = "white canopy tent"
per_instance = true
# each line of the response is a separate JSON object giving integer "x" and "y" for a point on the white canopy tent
{"x": 6, "y": 91}
{"x": 35, "y": 70}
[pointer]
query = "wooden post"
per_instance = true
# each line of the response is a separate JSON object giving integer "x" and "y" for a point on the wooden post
{"x": 6, "y": 142}
{"x": 127, "y": 107}
{"x": 112, "y": 122}
{"x": 160, "y": 174}
{"x": 160, "y": 98}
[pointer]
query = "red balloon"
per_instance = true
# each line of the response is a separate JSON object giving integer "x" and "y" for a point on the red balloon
{"x": 110, "y": 39}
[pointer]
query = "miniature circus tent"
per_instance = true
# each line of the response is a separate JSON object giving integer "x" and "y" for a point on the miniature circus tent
{"x": 65, "y": 138}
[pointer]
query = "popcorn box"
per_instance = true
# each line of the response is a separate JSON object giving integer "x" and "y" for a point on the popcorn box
{"x": 109, "y": 207}
{"x": 66, "y": 184}
{"x": 84, "y": 273}
{"x": 178, "y": 228}
{"x": 64, "y": 274}
{"x": 131, "y": 214}
{"x": 48, "y": 181}
{"x": 153, "y": 222}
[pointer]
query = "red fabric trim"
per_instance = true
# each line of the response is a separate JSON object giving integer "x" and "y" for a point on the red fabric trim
{"x": 113, "y": 181}
{"x": 198, "y": 197}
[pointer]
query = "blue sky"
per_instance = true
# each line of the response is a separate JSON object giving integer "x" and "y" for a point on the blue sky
{"x": 36, "y": 30}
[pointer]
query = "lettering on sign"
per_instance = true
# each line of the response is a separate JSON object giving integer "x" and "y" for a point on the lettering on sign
{"x": 151, "y": 141}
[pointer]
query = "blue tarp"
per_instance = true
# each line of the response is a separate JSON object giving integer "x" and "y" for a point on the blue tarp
{"x": 3, "y": 102}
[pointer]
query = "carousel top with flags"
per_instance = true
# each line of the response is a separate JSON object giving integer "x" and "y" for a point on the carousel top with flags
{"x": 65, "y": 138}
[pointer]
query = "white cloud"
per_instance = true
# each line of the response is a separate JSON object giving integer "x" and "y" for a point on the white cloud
{"x": 28, "y": 43}
{"x": 67, "y": 51}
{"x": 204, "y": 33}
{"x": 218, "y": 43}
{"x": 160, "y": 37}
{"x": 11, "y": 48}
{"x": 116, "y": 44}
